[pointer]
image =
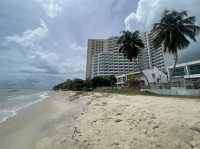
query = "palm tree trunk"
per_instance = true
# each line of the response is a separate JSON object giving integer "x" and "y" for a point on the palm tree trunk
{"x": 174, "y": 67}
{"x": 175, "y": 62}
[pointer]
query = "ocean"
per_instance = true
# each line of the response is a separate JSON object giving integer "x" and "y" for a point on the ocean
{"x": 13, "y": 100}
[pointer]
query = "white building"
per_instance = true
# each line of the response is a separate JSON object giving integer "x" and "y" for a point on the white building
{"x": 95, "y": 46}
{"x": 186, "y": 75}
{"x": 148, "y": 76}
{"x": 156, "y": 56}
{"x": 103, "y": 58}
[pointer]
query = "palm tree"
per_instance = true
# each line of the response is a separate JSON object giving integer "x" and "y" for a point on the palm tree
{"x": 130, "y": 44}
{"x": 174, "y": 32}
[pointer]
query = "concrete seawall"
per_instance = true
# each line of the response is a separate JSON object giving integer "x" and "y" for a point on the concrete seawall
{"x": 175, "y": 92}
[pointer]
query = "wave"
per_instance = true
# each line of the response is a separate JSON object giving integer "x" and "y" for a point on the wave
{"x": 13, "y": 90}
{"x": 43, "y": 96}
{"x": 6, "y": 114}
{"x": 9, "y": 113}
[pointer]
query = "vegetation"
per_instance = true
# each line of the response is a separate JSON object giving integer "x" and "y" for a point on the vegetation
{"x": 86, "y": 85}
{"x": 133, "y": 82}
{"x": 130, "y": 44}
{"x": 122, "y": 91}
{"x": 174, "y": 31}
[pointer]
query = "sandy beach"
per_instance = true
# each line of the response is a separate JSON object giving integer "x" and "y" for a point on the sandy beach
{"x": 140, "y": 122}
{"x": 48, "y": 124}
{"x": 69, "y": 120}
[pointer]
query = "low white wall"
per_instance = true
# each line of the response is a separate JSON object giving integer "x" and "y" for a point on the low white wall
{"x": 175, "y": 92}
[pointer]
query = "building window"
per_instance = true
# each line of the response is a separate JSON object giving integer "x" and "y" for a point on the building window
{"x": 178, "y": 71}
{"x": 194, "y": 69}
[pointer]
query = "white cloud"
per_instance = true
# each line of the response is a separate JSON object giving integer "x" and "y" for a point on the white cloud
{"x": 44, "y": 60}
{"x": 149, "y": 11}
{"x": 38, "y": 58}
{"x": 77, "y": 48}
{"x": 29, "y": 38}
{"x": 51, "y": 7}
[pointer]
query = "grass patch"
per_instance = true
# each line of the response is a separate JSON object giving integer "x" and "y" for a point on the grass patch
{"x": 130, "y": 92}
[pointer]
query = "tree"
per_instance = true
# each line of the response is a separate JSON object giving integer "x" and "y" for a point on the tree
{"x": 133, "y": 82}
{"x": 67, "y": 84}
{"x": 77, "y": 84}
{"x": 130, "y": 44}
{"x": 86, "y": 85}
{"x": 113, "y": 80}
{"x": 174, "y": 32}
{"x": 100, "y": 82}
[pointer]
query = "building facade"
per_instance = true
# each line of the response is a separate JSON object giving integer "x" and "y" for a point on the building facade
{"x": 186, "y": 75}
{"x": 104, "y": 59}
{"x": 157, "y": 57}
{"x": 95, "y": 46}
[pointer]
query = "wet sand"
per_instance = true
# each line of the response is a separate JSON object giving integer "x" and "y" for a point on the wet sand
{"x": 48, "y": 124}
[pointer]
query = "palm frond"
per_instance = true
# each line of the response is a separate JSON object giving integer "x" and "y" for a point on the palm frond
{"x": 130, "y": 44}
{"x": 174, "y": 30}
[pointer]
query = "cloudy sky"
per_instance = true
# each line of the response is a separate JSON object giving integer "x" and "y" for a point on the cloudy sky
{"x": 44, "y": 41}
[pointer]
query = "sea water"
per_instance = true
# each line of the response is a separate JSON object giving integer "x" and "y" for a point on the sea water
{"x": 11, "y": 101}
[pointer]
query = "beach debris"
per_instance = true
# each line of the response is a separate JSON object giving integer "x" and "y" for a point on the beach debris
{"x": 75, "y": 132}
{"x": 193, "y": 144}
{"x": 63, "y": 141}
{"x": 118, "y": 114}
{"x": 195, "y": 128}
{"x": 118, "y": 120}
{"x": 116, "y": 143}
{"x": 104, "y": 103}
{"x": 156, "y": 126}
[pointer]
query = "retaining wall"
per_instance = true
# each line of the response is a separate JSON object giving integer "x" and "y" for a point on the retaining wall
{"x": 175, "y": 92}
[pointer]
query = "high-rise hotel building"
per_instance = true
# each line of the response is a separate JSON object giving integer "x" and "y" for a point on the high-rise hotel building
{"x": 157, "y": 57}
{"x": 103, "y": 57}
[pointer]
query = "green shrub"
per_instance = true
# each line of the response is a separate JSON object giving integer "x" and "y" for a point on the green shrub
{"x": 86, "y": 85}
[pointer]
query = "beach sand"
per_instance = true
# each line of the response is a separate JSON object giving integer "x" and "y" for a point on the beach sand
{"x": 140, "y": 122}
{"x": 48, "y": 124}
{"x": 69, "y": 120}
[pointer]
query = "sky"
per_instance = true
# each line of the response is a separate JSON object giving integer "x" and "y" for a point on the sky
{"x": 43, "y": 42}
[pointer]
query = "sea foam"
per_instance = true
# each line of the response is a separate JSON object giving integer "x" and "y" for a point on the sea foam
{"x": 9, "y": 112}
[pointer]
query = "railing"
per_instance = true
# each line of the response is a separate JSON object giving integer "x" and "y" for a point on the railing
{"x": 178, "y": 84}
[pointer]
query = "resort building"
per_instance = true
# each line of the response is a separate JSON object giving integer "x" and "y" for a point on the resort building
{"x": 104, "y": 59}
{"x": 148, "y": 77}
{"x": 156, "y": 56}
{"x": 95, "y": 46}
{"x": 186, "y": 75}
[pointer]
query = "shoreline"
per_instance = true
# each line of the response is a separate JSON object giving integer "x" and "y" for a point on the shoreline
{"x": 16, "y": 128}
{"x": 35, "y": 127}
{"x": 70, "y": 120}
{"x": 15, "y": 111}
